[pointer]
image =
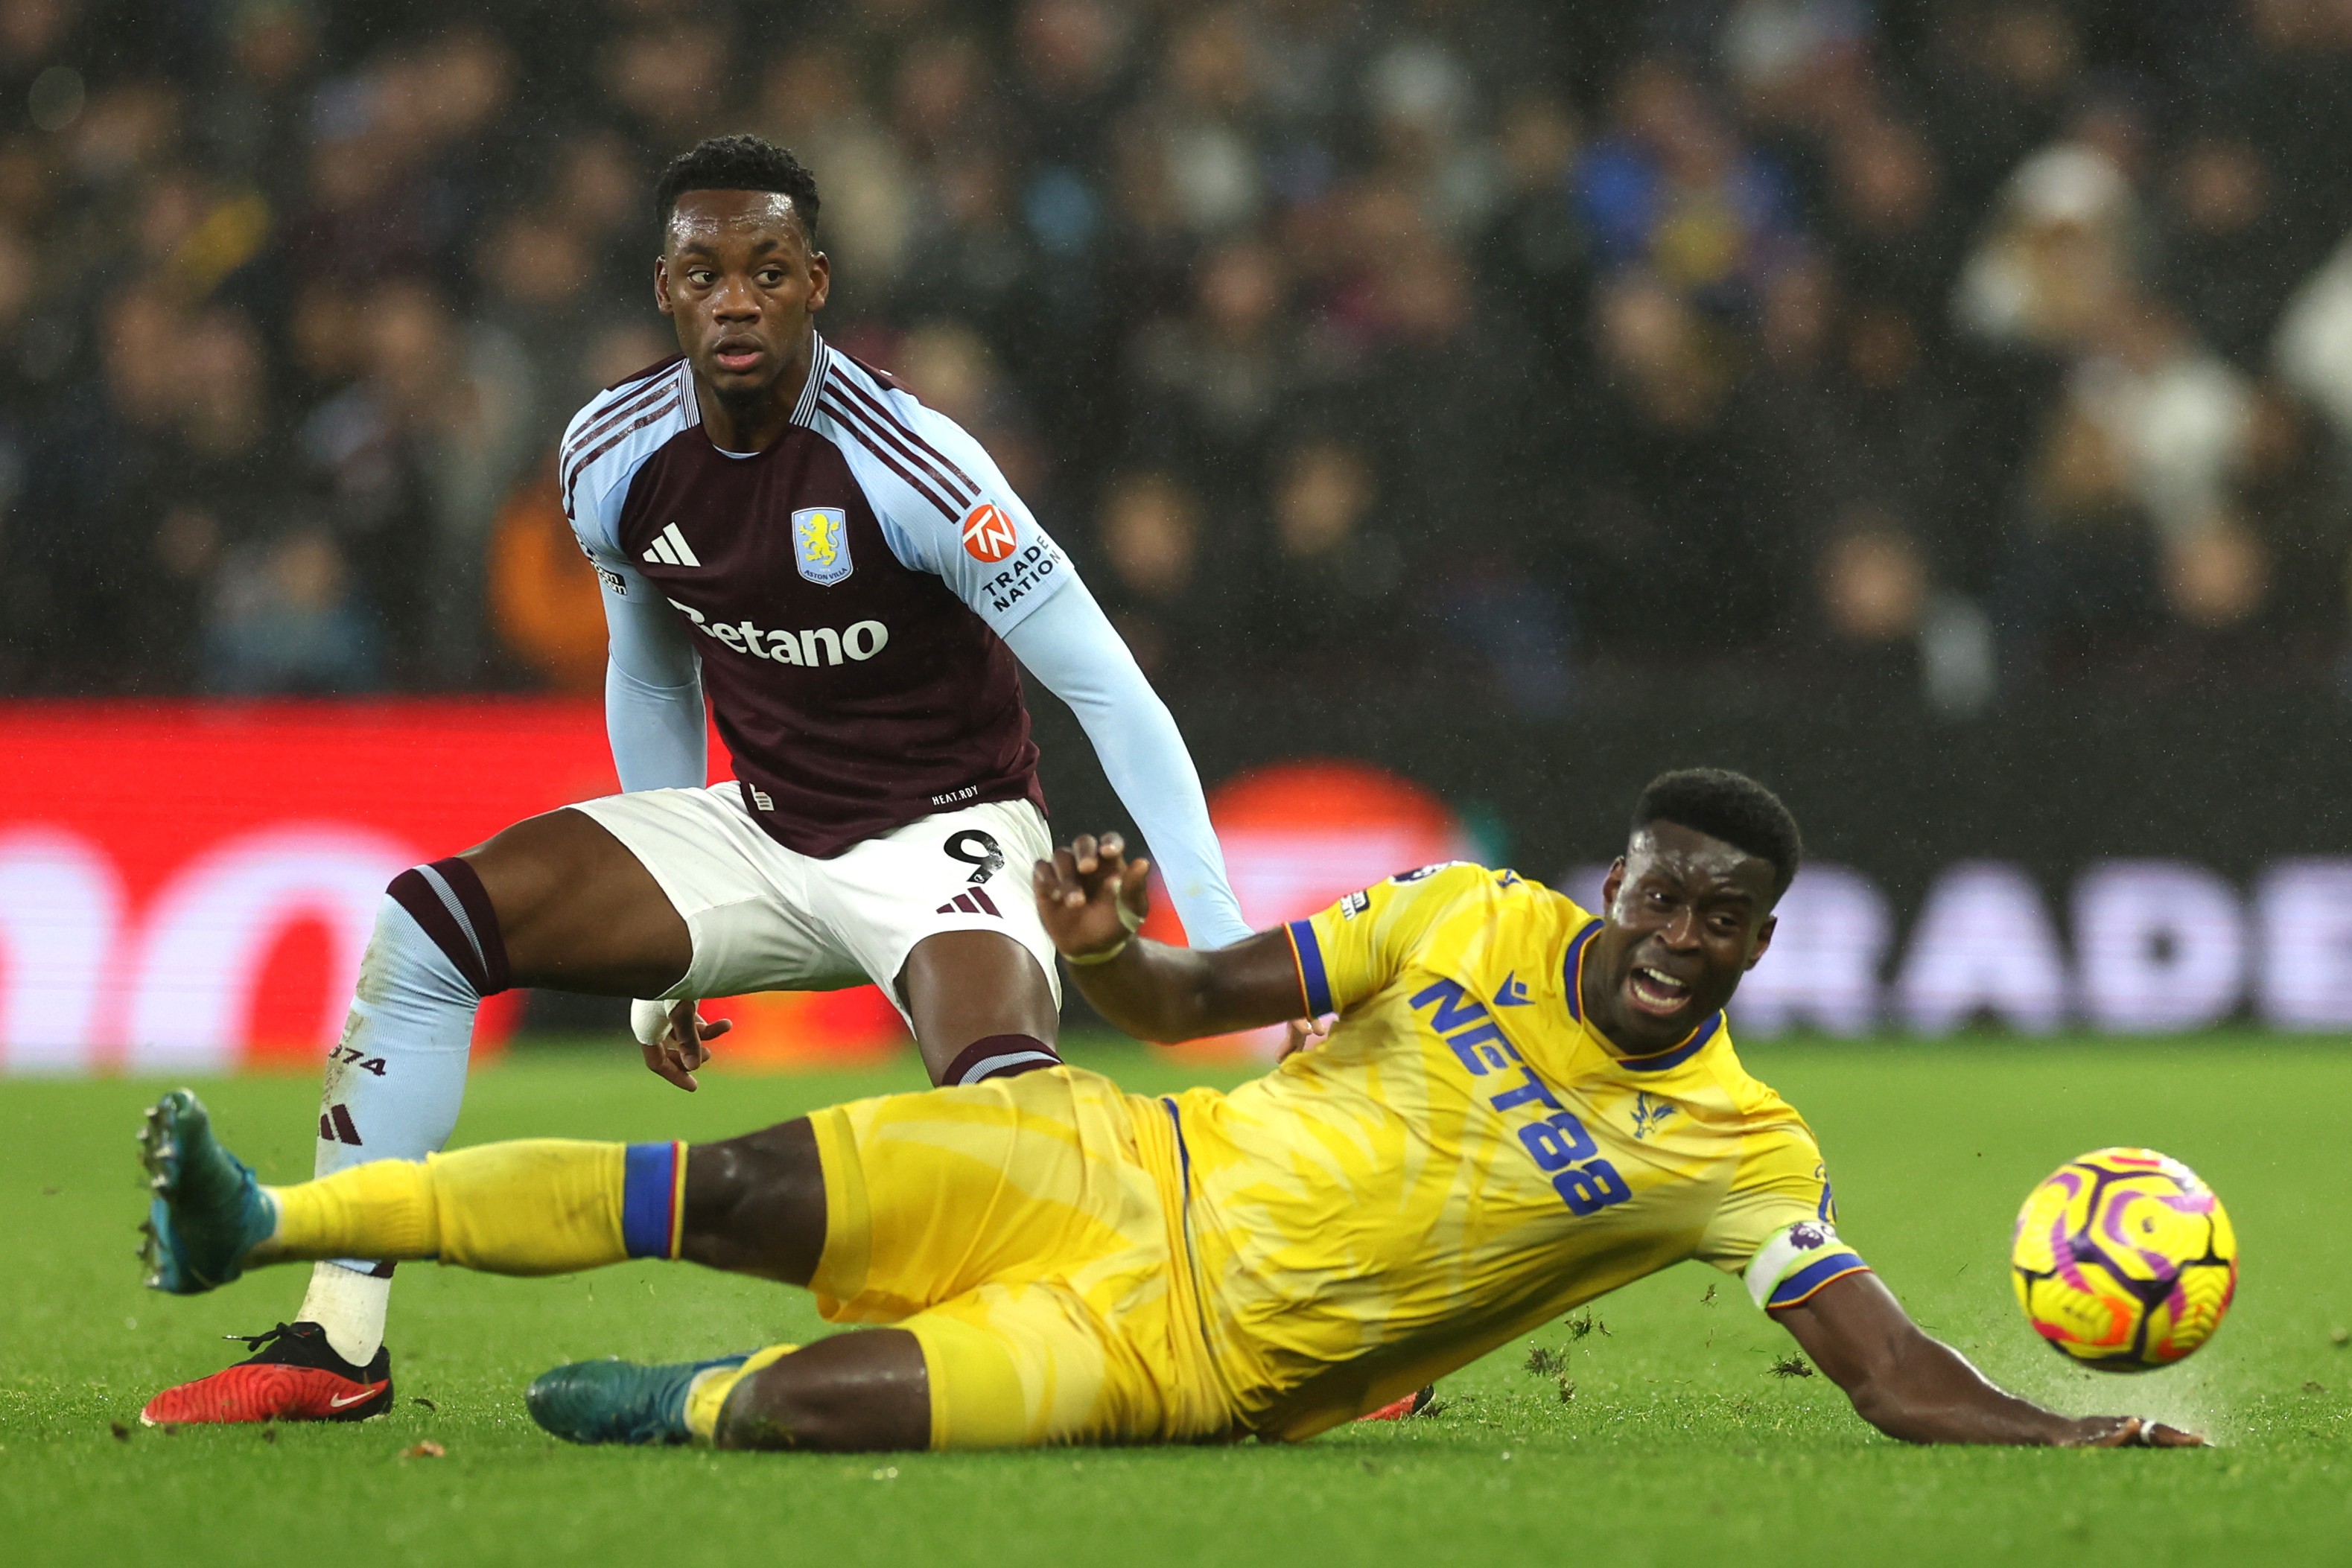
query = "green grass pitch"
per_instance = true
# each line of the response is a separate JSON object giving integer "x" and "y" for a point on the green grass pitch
{"x": 1677, "y": 1442}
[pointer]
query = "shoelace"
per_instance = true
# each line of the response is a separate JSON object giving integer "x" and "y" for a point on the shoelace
{"x": 254, "y": 1342}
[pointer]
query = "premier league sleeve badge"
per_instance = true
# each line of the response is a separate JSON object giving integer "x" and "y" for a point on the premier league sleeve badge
{"x": 821, "y": 544}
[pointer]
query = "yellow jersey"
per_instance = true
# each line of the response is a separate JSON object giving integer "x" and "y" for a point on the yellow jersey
{"x": 1464, "y": 1157}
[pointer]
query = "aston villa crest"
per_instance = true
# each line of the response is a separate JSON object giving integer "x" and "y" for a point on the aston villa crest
{"x": 821, "y": 544}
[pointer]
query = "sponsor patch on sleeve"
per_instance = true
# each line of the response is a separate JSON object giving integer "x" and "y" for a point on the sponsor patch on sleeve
{"x": 989, "y": 534}
{"x": 1021, "y": 577}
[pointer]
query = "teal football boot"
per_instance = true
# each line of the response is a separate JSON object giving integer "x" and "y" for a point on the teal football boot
{"x": 615, "y": 1401}
{"x": 209, "y": 1212}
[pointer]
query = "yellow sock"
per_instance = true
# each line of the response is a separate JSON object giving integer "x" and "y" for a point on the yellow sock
{"x": 535, "y": 1205}
{"x": 709, "y": 1394}
{"x": 380, "y": 1210}
{"x": 538, "y": 1205}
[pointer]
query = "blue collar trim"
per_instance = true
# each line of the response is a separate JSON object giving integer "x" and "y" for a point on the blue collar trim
{"x": 1573, "y": 971}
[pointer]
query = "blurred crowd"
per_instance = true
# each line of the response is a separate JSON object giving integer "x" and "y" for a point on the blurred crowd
{"x": 1962, "y": 347}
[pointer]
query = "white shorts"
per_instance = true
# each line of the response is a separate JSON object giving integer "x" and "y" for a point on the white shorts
{"x": 767, "y": 918}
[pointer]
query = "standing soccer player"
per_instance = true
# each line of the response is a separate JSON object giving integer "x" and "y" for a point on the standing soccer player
{"x": 852, "y": 578}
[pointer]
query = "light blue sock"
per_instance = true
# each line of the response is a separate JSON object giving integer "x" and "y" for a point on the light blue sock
{"x": 393, "y": 1085}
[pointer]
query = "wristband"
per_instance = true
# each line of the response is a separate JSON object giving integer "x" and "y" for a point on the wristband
{"x": 648, "y": 1020}
{"x": 1126, "y": 917}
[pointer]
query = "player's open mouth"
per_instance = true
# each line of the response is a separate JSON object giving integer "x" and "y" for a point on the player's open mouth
{"x": 738, "y": 357}
{"x": 1655, "y": 991}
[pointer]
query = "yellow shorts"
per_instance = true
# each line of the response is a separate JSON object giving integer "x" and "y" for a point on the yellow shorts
{"x": 1029, "y": 1233}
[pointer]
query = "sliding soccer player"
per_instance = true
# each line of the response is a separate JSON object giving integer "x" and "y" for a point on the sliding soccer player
{"x": 849, "y": 576}
{"x": 1521, "y": 1108}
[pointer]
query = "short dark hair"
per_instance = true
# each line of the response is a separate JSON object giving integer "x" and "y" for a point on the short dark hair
{"x": 738, "y": 163}
{"x": 1731, "y": 807}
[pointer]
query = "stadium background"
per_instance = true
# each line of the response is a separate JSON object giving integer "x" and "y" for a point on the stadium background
{"x": 1466, "y": 407}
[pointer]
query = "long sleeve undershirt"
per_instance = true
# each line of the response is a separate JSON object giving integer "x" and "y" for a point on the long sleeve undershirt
{"x": 653, "y": 692}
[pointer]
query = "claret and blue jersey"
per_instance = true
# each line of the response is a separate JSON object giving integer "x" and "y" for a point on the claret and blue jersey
{"x": 858, "y": 600}
{"x": 848, "y": 588}
{"x": 1467, "y": 1158}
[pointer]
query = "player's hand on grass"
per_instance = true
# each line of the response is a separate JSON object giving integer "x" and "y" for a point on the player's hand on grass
{"x": 1091, "y": 897}
{"x": 2131, "y": 1432}
{"x": 675, "y": 1038}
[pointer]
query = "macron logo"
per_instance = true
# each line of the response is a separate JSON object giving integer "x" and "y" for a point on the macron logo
{"x": 670, "y": 548}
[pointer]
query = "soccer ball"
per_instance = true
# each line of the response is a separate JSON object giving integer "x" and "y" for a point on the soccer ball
{"x": 2123, "y": 1260}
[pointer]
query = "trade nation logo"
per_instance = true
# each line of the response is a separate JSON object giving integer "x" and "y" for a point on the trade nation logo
{"x": 988, "y": 534}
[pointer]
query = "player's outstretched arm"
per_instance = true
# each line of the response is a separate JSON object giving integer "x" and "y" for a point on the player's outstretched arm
{"x": 1919, "y": 1390}
{"x": 1092, "y": 898}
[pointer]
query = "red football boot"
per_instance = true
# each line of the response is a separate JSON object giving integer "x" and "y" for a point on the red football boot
{"x": 293, "y": 1376}
{"x": 1412, "y": 1404}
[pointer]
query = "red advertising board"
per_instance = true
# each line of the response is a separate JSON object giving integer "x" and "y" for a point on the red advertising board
{"x": 189, "y": 886}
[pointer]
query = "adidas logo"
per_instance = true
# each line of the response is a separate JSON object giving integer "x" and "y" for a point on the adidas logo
{"x": 670, "y": 548}
{"x": 976, "y": 902}
{"x": 335, "y": 1126}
